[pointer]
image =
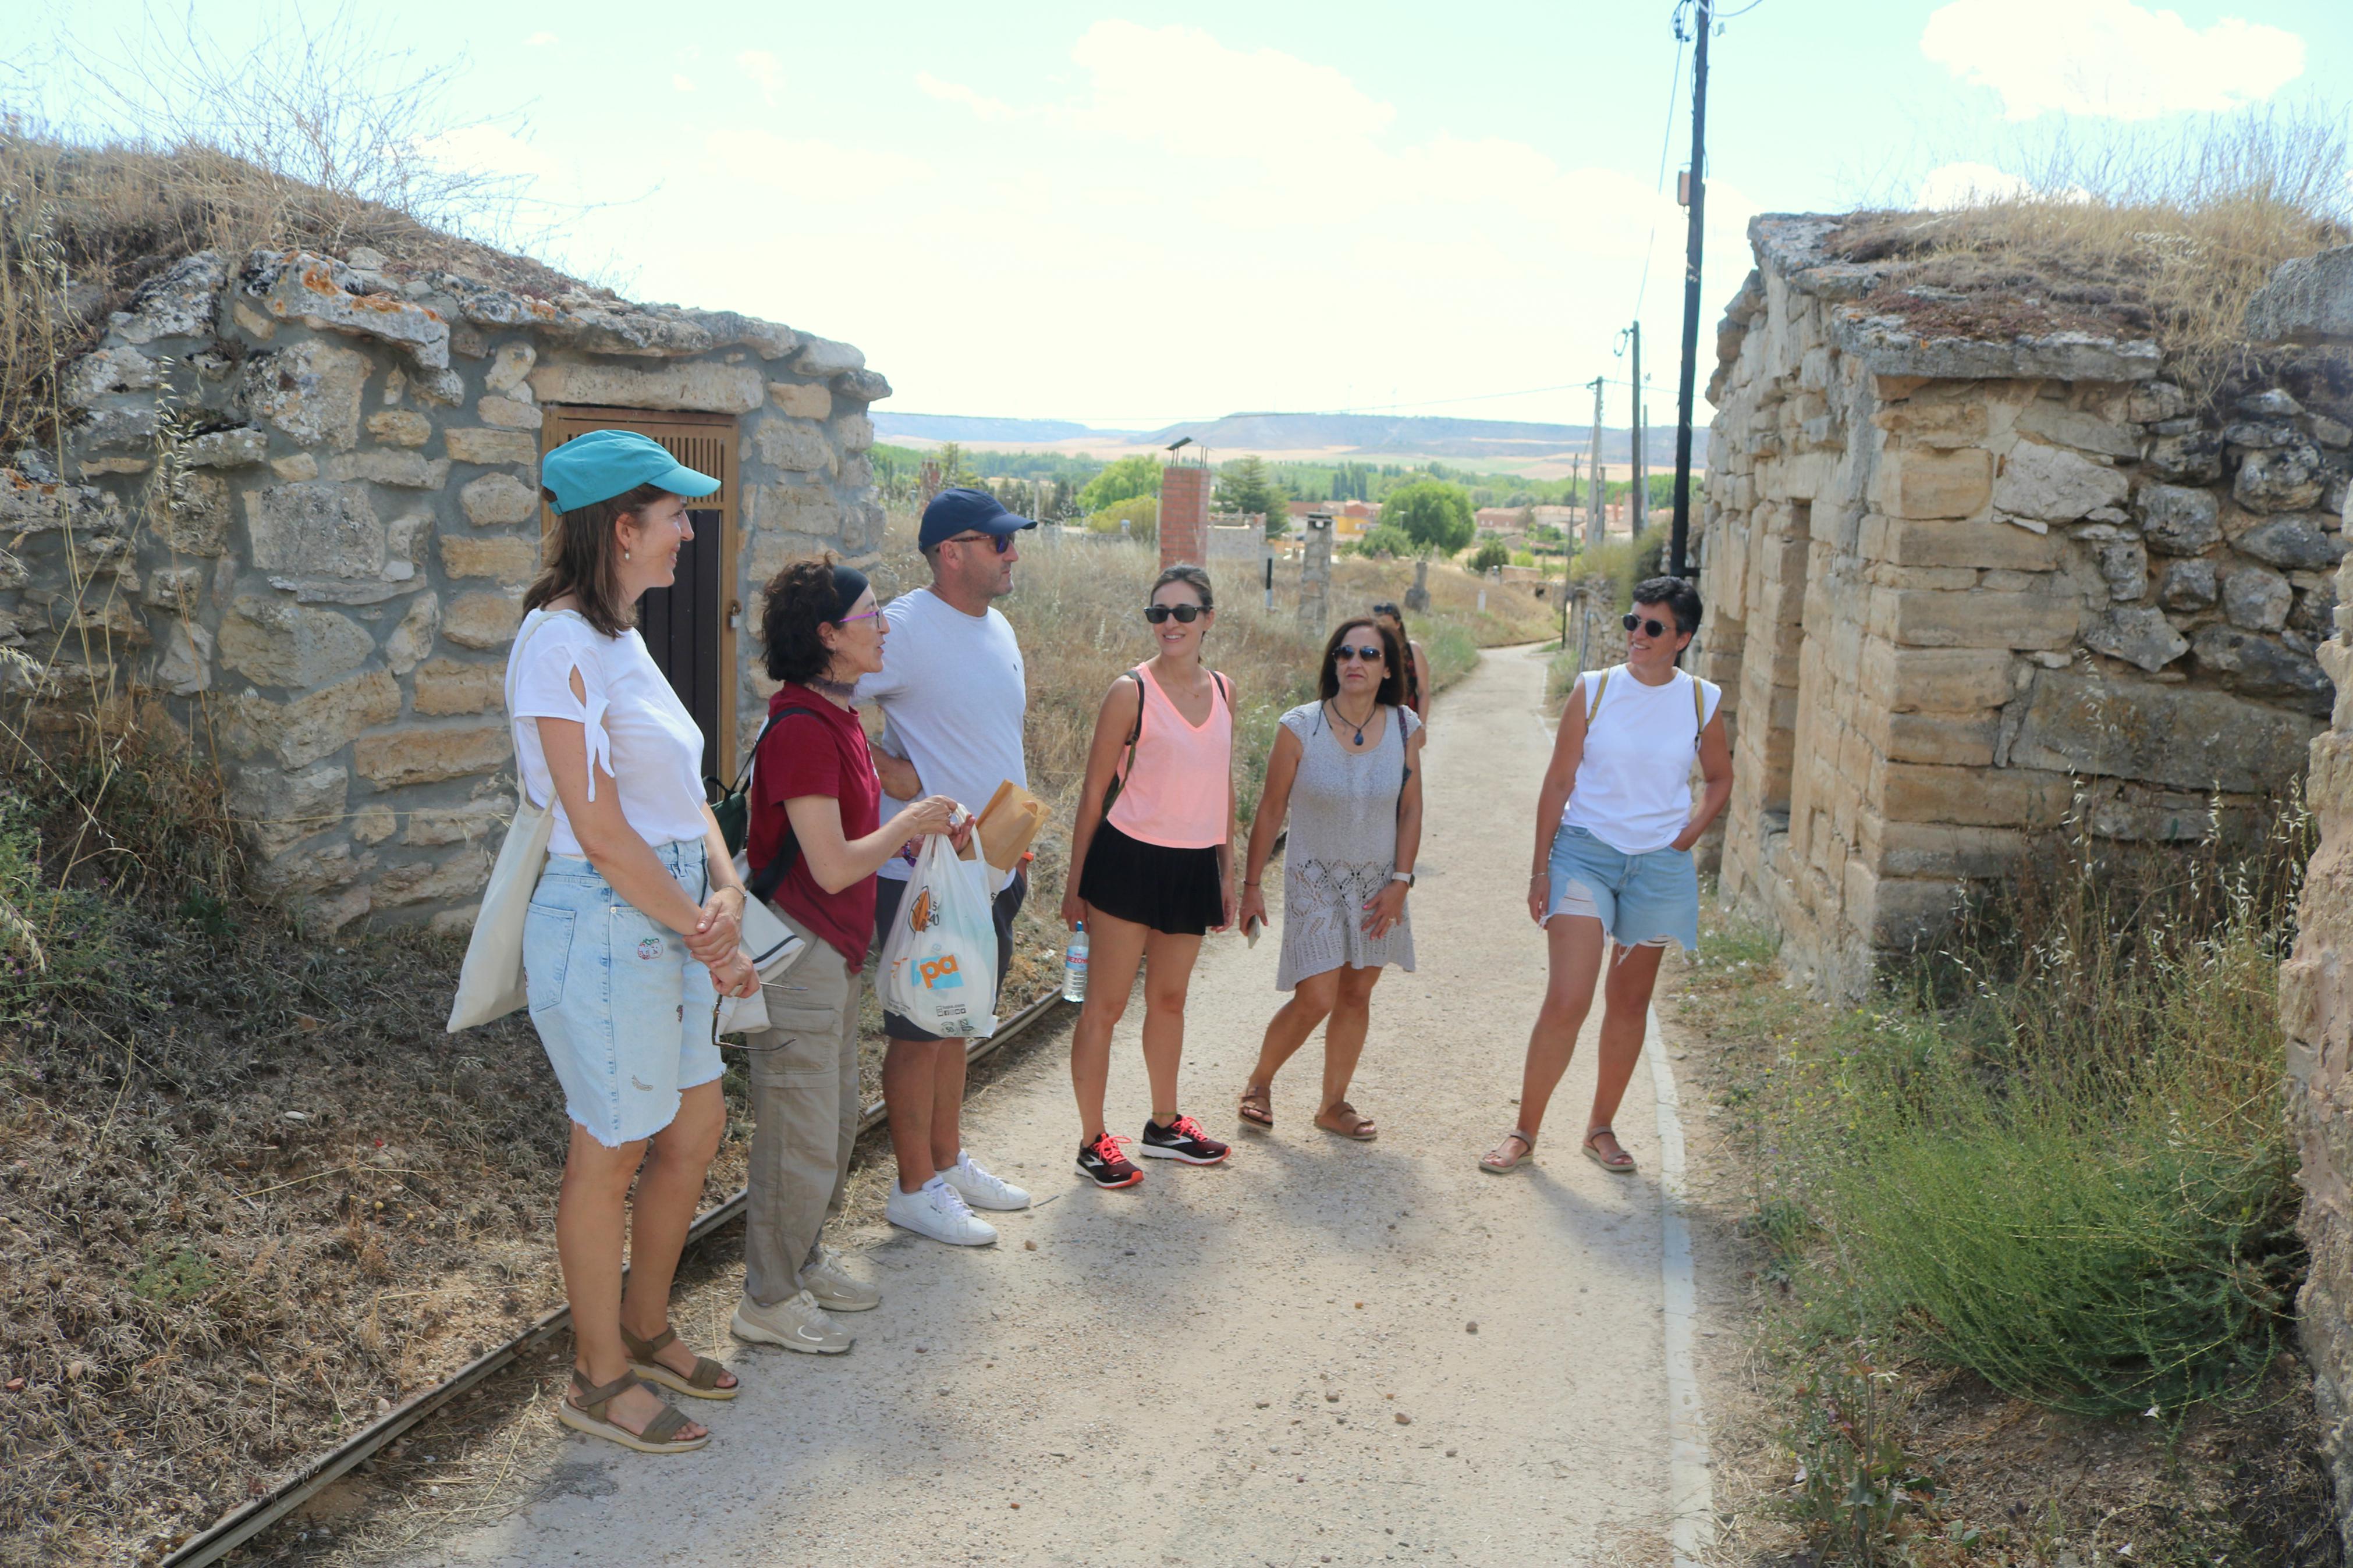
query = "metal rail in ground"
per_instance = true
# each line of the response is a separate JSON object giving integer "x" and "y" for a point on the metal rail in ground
{"x": 233, "y": 1531}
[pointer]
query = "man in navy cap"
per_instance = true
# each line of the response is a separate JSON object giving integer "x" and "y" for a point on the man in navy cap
{"x": 953, "y": 698}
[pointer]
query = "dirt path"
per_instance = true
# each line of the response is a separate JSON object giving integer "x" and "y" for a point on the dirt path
{"x": 1269, "y": 1362}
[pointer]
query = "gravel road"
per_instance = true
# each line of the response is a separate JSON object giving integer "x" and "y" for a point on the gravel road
{"x": 1320, "y": 1352}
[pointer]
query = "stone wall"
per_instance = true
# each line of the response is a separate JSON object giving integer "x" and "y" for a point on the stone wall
{"x": 299, "y": 504}
{"x": 2310, "y": 303}
{"x": 1951, "y": 582}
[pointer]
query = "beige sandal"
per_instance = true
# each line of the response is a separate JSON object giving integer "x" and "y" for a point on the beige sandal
{"x": 1346, "y": 1123}
{"x": 587, "y": 1413}
{"x": 1258, "y": 1105}
{"x": 1623, "y": 1165}
{"x": 702, "y": 1382}
{"x": 1495, "y": 1167}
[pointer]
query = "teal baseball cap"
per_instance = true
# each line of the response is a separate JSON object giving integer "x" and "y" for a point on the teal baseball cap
{"x": 603, "y": 464}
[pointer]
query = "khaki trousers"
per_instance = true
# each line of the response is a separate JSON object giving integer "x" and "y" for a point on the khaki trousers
{"x": 805, "y": 1110}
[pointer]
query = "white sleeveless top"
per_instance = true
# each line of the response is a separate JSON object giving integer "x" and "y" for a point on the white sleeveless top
{"x": 1633, "y": 784}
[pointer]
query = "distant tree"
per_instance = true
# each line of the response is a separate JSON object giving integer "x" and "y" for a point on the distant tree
{"x": 1244, "y": 485}
{"x": 1491, "y": 555}
{"x": 1523, "y": 558}
{"x": 954, "y": 469}
{"x": 1122, "y": 480}
{"x": 1434, "y": 514}
{"x": 1141, "y": 513}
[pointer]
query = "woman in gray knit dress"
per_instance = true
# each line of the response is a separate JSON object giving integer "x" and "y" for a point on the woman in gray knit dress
{"x": 1347, "y": 769}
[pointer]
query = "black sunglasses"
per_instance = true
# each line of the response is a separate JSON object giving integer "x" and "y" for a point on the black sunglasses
{"x": 1003, "y": 541}
{"x": 1630, "y": 620}
{"x": 1185, "y": 613}
{"x": 1387, "y": 609}
{"x": 1369, "y": 655}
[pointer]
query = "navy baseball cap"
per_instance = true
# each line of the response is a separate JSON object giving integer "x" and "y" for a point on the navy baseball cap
{"x": 603, "y": 464}
{"x": 963, "y": 511}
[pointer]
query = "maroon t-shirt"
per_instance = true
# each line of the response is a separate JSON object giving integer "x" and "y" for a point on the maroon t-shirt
{"x": 822, "y": 751}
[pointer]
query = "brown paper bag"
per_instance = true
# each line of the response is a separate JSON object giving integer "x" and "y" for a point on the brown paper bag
{"x": 1007, "y": 824}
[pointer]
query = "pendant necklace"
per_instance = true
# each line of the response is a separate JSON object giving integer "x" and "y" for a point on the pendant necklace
{"x": 1338, "y": 720}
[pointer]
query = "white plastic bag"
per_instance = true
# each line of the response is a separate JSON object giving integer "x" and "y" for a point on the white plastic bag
{"x": 939, "y": 961}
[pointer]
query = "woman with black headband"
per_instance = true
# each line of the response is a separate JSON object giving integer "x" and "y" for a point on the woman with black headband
{"x": 816, "y": 799}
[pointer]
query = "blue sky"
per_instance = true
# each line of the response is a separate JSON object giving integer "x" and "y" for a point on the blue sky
{"x": 1134, "y": 215}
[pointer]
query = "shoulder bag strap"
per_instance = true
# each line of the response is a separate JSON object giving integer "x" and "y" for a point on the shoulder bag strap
{"x": 1121, "y": 774}
{"x": 767, "y": 878}
{"x": 1594, "y": 707}
{"x": 1699, "y": 711}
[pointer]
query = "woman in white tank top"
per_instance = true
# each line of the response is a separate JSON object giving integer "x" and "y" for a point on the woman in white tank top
{"x": 1614, "y": 831}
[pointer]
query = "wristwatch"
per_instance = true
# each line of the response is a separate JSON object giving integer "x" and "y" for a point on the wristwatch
{"x": 1405, "y": 877}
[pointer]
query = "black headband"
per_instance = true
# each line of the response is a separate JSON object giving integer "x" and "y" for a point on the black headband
{"x": 848, "y": 587}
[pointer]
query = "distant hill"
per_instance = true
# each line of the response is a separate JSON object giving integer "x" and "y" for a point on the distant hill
{"x": 971, "y": 428}
{"x": 1381, "y": 434}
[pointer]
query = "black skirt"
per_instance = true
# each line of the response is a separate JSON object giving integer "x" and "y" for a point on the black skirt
{"x": 1174, "y": 891}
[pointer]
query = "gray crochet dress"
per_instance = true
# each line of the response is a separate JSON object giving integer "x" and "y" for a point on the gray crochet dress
{"x": 1343, "y": 847}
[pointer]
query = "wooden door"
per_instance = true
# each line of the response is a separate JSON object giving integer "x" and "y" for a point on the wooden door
{"x": 689, "y": 626}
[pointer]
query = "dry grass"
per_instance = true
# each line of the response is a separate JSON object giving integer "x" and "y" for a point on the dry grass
{"x": 2162, "y": 235}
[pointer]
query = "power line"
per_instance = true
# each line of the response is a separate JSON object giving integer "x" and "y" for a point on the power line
{"x": 1659, "y": 186}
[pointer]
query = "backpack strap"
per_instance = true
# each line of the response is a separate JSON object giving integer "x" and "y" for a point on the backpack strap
{"x": 768, "y": 878}
{"x": 1594, "y": 706}
{"x": 1699, "y": 710}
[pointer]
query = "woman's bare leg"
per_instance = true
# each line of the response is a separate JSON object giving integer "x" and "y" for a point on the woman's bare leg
{"x": 1625, "y": 1012}
{"x": 1168, "y": 973}
{"x": 1573, "y": 944}
{"x": 1311, "y": 1003}
{"x": 669, "y": 1191}
{"x": 589, "y": 1210}
{"x": 1344, "y": 1038}
{"x": 1116, "y": 951}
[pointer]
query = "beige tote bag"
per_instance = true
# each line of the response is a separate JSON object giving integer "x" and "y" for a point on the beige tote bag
{"x": 491, "y": 984}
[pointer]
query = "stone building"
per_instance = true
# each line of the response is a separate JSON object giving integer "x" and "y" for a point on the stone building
{"x": 1955, "y": 581}
{"x": 299, "y": 504}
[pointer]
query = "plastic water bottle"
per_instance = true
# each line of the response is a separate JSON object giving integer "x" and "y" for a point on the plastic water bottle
{"x": 1074, "y": 966}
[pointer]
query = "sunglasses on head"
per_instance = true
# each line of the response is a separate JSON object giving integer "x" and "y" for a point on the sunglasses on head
{"x": 1002, "y": 542}
{"x": 1369, "y": 655}
{"x": 1632, "y": 622}
{"x": 1185, "y": 613}
{"x": 1388, "y": 610}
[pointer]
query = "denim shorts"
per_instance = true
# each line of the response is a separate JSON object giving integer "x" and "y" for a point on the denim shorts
{"x": 623, "y": 1012}
{"x": 1640, "y": 898}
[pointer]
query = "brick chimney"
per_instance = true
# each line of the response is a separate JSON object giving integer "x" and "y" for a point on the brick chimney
{"x": 1184, "y": 516}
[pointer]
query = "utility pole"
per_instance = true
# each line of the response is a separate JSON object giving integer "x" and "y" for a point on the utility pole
{"x": 1594, "y": 514}
{"x": 1638, "y": 498}
{"x": 1696, "y": 188}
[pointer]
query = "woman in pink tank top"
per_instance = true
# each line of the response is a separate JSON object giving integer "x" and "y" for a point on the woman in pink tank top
{"x": 1152, "y": 870}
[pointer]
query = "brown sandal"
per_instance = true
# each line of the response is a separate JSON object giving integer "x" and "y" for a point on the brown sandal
{"x": 1623, "y": 1165}
{"x": 587, "y": 1413}
{"x": 1505, "y": 1167}
{"x": 1346, "y": 1123}
{"x": 702, "y": 1382}
{"x": 1258, "y": 1104}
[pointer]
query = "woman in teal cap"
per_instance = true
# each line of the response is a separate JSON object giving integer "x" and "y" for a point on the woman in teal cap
{"x": 634, "y": 929}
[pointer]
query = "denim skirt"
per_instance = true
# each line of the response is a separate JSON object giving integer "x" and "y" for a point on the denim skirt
{"x": 623, "y": 1012}
{"x": 1641, "y": 897}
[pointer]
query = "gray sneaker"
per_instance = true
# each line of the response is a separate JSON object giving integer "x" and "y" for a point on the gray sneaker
{"x": 833, "y": 1286}
{"x": 798, "y": 1323}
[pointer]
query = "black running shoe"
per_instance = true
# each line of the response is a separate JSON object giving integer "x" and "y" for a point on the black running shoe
{"x": 1181, "y": 1140}
{"x": 1104, "y": 1162}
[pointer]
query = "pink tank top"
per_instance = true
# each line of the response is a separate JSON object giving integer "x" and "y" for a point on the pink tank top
{"x": 1177, "y": 793}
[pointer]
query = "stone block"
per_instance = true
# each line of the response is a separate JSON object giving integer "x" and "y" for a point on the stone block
{"x": 2086, "y": 432}
{"x": 504, "y": 558}
{"x": 424, "y": 881}
{"x": 1934, "y": 423}
{"x": 374, "y": 824}
{"x": 862, "y": 386}
{"x": 1924, "y": 849}
{"x": 854, "y": 432}
{"x": 413, "y": 639}
{"x": 498, "y": 500}
{"x": 509, "y": 367}
{"x": 295, "y": 468}
{"x": 390, "y": 466}
{"x": 1949, "y": 739}
{"x": 310, "y": 390}
{"x": 273, "y": 643}
{"x": 2177, "y": 520}
{"x": 2180, "y": 737}
{"x": 445, "y": 685}
{"x": 226, "y": 448}
{"x": 278, "y": 808}
{"x": 1975, "y": 618}
{"x": 316, "y": 529}
{"x": 301, "y": 871}
{"x": 2257, "y": 599}
{"x": 1931, "y": 483}
{"x": 2287, "y": 478}
{"x": 400, "y": 427}
{"x": 1987, "y": 546}
{"x": 2124, "y": 567}
{"x": 2054, "y": 484}
{"x": 508, "y": 414}
{"x": 2308, "y": 300}
{"x": 482, "y": 620}
{"x": 194, "y": 516}
{"x": 310, "y": 290}
{"x": 794, "y": 509}
{"x": 2138, "y": 634}
{"x": 2259, "y": 667}
{"x": 322, "y": 723}
{"x": 1938, "y": 680}
{"x": 184, "y": 666}
{"x": 476, "y": 819}
{"x": 2187, "y": 585}
{"x": 177, "y": 588}
{"x": 94, "y": 375}
{"x": 428, "y": 755}
{"x": 479, "y": 444}
{"x": 821, "y": 358}
{"x": 2293, "y": 544}
{"x": 703, "y": 386}
{"x": 181, "y": 301}
{"x": 1970, "y": 797}
{"x": 801, "y": 402}
{"x": 794, "y": 445}
{"x": 1892, "y": 914}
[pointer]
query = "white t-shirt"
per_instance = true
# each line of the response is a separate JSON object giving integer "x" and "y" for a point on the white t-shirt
{"x": 954, "y": 699}
{"x": 1633, "y": 784}
{"x": 637, "y": 728}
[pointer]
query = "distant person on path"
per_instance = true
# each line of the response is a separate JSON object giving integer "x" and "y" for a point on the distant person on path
{"x": 954, "y": 698}
{"x": 1613, "y": 864}
{"x": 1347, "y": 768}
{"x": 1153, "y": 871}
{"x": 1415, "y": 669}
{"x": 633, "y": 930}
{"x": 815, "y": 800}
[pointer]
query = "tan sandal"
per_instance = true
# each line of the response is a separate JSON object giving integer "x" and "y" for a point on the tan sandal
{"x": 1505, "y": 1167}
{"x": 1623, "y": 1165}
{"x": 702, "y": 1382}
{"x": 1346, "y": 1123}
{"x": 1258, "y": 1105}
{"x": 588, "y": 1415}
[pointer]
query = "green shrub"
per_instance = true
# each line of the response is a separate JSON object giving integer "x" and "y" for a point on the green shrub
{"x": 1490, "y": 556}
{"x": 1623, "y": 563}
{"x": 1386, "y": 538}
{"x": 1141, "y": 513}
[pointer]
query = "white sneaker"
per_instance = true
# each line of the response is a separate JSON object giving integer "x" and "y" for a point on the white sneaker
{"x": 981, "y": 1188}
{"x": 835, "y": 1289}
{"x": 938, "y": 1211}
{"x": 796, "y": 1322}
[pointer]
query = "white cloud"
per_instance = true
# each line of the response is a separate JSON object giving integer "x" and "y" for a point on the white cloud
{"x": 1951, "y": 186}
{"x": 541, "y": 40}
{"x": 811, "y": 171}
{"x": 767, "y": 72}
{"x": 485, "y": 149}
{"x": 2113, "y": 58}
{"x": 683, "y": 83}
{"x": 990, "y": 109}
